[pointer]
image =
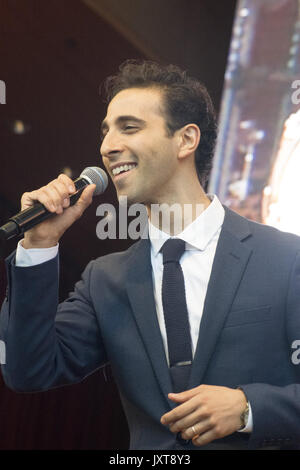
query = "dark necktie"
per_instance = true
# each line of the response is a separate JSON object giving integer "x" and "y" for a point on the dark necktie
{"x": 176, "y": 314}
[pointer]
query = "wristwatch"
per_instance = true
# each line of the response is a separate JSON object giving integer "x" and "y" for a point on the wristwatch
{"x": 244, "y": 416}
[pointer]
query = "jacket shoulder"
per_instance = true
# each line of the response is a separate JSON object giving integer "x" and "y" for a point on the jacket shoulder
{"x": 114, "y": 266}
{"x": 267, "y": 235}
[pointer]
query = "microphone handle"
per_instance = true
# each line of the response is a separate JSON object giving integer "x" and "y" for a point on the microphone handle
{"x": 34, "y": 215}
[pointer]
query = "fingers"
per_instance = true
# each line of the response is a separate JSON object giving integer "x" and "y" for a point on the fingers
{"x": 188, "y": 401}
{"x": 205, "y": 438}
{"x": 186, "y": 422}
{"x": 184, "y": 396}
{"x": 84, "y": 201}
{"x": 54, "y": 196}
{"x": 211, "y": 413}
{"x": 187, "y": 394}
{"x": 181, "y": 411}
{"x": 197, "y": 429}
{"x": 201, "y": 430}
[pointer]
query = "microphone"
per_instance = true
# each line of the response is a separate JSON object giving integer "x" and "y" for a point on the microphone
{"x": 36, "y": 214}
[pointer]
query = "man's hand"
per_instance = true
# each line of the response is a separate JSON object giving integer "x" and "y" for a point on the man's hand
{"x": 56, "y": 198}
{"x": 213, "y": 411}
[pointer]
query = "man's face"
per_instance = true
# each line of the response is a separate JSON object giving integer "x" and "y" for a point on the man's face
{"x": 137, "y": 152}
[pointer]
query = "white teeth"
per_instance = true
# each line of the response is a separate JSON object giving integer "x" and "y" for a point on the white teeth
{"x": 118, "y": 170}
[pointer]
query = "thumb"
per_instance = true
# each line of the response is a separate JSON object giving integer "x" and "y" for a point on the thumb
{"x": 84, "y": 201}
{"x": 86, "y": 196}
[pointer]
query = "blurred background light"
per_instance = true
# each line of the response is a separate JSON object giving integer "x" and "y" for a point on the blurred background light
{"x": 257, "y": 159}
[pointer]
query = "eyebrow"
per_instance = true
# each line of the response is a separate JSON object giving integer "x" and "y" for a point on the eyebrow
{"x": 121, "y": 120}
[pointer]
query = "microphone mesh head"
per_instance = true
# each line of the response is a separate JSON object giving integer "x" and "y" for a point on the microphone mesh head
{"x": 96, "y": 176}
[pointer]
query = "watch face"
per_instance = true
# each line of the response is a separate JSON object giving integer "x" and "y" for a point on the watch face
{"x": 245, "y": 415}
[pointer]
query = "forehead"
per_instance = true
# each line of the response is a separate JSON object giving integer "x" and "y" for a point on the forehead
{"x": 140, "y": 102}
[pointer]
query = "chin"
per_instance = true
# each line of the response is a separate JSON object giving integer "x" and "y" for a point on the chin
{"x": 132, "y": 198}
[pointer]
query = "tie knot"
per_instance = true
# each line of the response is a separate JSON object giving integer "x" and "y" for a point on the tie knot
{"x": 172, "y": 250}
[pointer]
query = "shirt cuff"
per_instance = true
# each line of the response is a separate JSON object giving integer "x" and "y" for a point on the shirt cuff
{"x": 34, "y": 256}
{"x": 249, "y": 425}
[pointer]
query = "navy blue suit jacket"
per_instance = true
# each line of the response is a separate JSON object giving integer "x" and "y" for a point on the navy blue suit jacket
{"x": 250, "y": 320}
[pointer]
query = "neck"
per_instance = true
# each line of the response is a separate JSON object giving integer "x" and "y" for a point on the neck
{"x": 174, "y": 213}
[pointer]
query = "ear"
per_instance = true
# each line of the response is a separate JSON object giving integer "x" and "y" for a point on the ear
{"x": 189, "y": 138}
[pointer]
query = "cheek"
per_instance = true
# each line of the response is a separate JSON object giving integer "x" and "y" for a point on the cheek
{"x": 163, "y": 163}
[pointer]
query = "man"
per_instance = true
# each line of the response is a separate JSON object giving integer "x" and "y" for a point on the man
{"x": 241, "y": 281}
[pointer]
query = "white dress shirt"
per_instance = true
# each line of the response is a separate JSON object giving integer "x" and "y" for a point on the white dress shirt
{"x": 201, "y": 237}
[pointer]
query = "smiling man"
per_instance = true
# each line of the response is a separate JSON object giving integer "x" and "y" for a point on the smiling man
{"x": 141, "y": 141}
{"x": 197, "y": 325}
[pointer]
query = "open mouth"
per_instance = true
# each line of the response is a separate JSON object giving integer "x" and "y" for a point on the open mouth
{"x": 122, "y": 169}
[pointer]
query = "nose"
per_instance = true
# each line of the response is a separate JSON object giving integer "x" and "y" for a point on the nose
{"x": 111, "y": 145}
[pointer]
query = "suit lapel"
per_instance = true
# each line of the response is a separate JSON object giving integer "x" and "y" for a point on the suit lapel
{"x": 229, "y": 264}
{"x": 139, "y": 286}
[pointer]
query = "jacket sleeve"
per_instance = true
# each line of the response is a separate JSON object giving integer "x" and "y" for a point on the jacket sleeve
{"x": 48, "y": 345}
{"x": 275, "y": 409}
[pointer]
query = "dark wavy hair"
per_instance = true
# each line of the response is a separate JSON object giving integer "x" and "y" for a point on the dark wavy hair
{"x": 185, "y": 100}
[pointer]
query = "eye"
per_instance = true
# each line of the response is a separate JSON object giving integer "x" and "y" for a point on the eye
{"x": 130, "y": 128}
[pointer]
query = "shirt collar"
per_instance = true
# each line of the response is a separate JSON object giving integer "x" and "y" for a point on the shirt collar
{"x": 198, "y": 234}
